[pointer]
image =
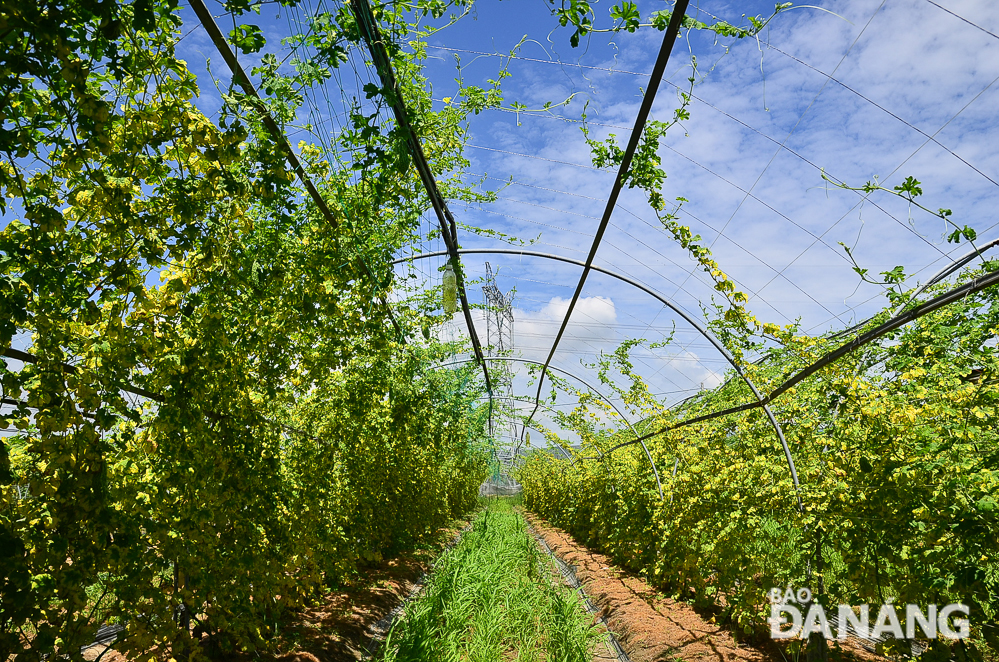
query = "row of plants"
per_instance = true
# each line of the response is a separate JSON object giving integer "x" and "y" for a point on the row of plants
{"x": 216, "y": 416}
{"x": 895, "y": 447}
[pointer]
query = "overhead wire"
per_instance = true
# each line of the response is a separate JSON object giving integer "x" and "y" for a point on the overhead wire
{"x": 971, "y": 23}
{"x": 896, "y": 169}
{"x": 535, "y": 157}
{"x": 739, "y": 245}
{"x": 779, "y": 273}
{"x": 659, "y": 229}
{"x": 781, "y": 145}
{"x": 885, "y": 110}
{"x": 793, "y": 128}
{"x": 697, "y": 163}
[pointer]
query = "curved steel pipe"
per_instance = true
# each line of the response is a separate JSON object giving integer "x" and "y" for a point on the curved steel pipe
{"x": 934, "y": 279}
{"x": 694, "y": 323}
{"x": 648, "y": 455}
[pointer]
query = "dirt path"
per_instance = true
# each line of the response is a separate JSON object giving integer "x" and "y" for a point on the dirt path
{"x": 648, "y": 626}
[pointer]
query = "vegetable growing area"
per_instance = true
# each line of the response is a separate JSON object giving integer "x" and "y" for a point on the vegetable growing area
{"x": 246, "y": 363}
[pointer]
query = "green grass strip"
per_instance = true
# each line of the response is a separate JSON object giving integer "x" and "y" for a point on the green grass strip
{"x": 493, "y": 598}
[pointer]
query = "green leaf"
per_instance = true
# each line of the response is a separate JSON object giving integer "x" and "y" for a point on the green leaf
{"x": 910, "y": 187}
{"x": 247, "y": 38}
{"x": 627, "y": 14}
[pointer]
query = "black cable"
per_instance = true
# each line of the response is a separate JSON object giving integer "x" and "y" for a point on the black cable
{"x": 393, "y": 95}
{"x": 669, "y": 39}
{"x": 885, "y": 110}
{"x": 992, "y": 34}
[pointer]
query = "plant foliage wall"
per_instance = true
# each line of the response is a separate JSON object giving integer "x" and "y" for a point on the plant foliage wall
{"x": 216, "y": 415}
{"x": 895, "y": 448}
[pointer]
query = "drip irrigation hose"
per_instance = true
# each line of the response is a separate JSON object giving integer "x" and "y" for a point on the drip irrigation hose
{"x": 569, "y": 575}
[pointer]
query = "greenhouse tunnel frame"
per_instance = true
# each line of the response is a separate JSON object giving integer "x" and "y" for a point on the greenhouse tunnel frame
{"x": 666, "y": 302}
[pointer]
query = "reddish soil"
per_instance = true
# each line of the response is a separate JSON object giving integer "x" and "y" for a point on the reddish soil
{"x": 649, "y": 626}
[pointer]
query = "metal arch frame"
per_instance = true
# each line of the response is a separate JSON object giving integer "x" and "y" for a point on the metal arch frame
{"x": 694, "y": 323}
{"x": 547, "y": 408}
{"x": 624, "y": 418}
{"x": 550, "y": 409}
{"x": 950, "y": 268}
{"x": 559, "y": 446}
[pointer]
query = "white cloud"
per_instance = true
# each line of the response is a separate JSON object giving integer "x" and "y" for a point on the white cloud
{"x": 590, "y": 330}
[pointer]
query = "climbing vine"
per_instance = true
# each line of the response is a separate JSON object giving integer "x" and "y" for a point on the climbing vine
{"x": 215, "y": 412}
{"x": 894, "y": 446}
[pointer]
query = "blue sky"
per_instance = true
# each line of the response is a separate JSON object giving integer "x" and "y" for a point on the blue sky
{"x": 915, "y": 93}
{"x": 921, "y": 101}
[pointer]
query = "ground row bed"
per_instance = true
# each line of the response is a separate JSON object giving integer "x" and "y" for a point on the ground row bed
{"x": 489, "y": 590}
{"x": 649, "y": 626}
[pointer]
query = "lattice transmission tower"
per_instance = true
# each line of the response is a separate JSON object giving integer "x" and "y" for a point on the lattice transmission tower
{"x": 499, "y": 342}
